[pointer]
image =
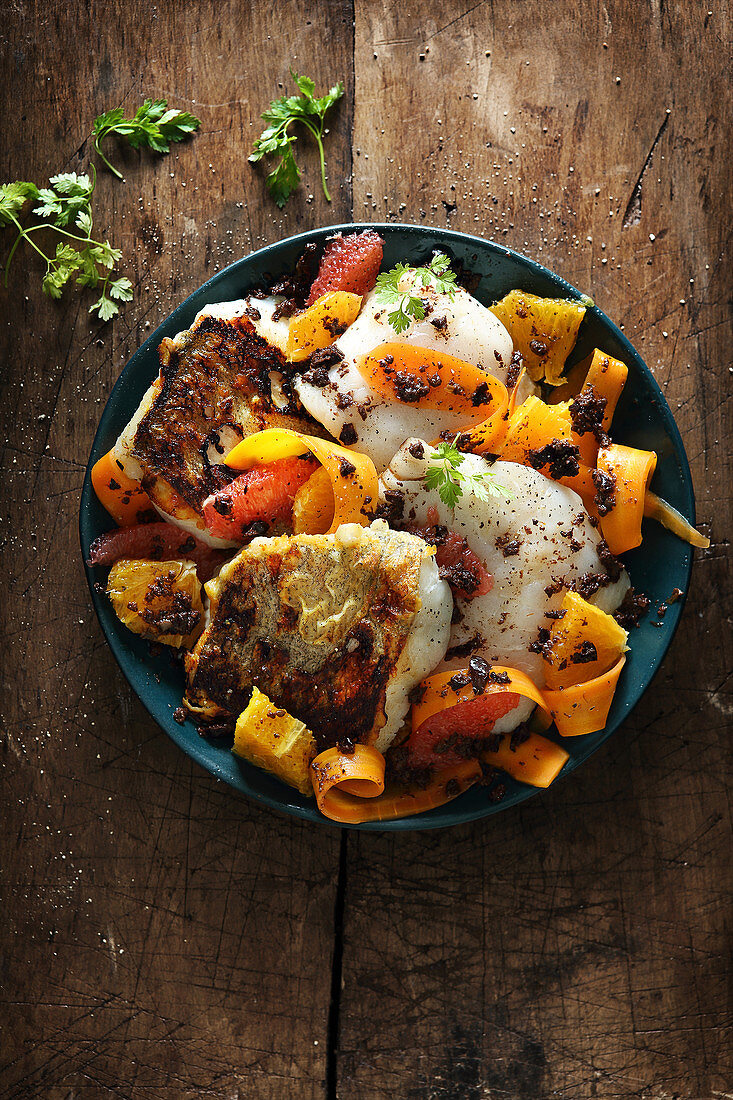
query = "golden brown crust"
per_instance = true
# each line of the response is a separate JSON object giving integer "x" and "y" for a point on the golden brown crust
{"x": 316, "y": 622}
{"x": 216, "y": 374}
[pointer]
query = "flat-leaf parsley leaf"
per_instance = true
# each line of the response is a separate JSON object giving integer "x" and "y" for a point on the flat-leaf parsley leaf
{"x": 310, "y": 111}
{"x": 154, "y": 125}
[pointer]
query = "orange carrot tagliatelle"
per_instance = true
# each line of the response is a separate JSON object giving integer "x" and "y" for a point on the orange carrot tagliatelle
{"x": 630, "y": 471}
{"x": 125, "y": 499}
{"x": 429, "y": 379}
{"x": 583, "y": 708}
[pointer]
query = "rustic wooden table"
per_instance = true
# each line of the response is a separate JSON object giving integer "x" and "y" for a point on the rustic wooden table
{"x": 162, "y": 937}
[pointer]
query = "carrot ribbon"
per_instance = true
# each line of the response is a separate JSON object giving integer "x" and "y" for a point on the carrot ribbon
{"x": 583, "y": 708}
{"x": 124, "y": 499}
{"x": 631, "y": 471}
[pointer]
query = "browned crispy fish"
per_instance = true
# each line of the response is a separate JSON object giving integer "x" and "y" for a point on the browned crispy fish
{"x": 319, "y": 623}
{"x": 216, "y": 385}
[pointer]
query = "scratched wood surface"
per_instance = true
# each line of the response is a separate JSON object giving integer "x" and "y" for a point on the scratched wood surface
{"x": 161, "y": 937}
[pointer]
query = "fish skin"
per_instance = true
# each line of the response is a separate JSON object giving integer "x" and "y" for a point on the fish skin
{"x": 318, "y": 623}
{"x": 216, "y": 373}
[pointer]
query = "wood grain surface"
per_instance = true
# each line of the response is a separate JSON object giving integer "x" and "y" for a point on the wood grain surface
{"x": 160, "y": 936}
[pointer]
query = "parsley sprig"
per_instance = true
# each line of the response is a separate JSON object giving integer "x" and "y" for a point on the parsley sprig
{"x": 154, "y": 125}
{"x": 65, "y": 203}
{"x": 410, "y": 307}
{"x": 65, "y": 209}
{"x": 445, "y": 475}
{"x": 310, "y": 111}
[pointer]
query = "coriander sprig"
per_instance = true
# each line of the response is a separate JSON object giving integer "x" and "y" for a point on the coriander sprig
{"x": 436, "y": 274}
{"x": 66, "y": 202}
{"x": 153, "y": 125}
{"x": 307, "y": 109}
{"x": 444, "y": 474}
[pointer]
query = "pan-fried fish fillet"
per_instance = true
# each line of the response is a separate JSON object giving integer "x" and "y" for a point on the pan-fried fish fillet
{"x": 219, "y": 381}
{"x": 337, "y": 629}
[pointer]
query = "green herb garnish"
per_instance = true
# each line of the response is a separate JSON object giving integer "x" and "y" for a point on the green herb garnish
{"x": 436, "y": 274}
{"x": 307, "y": 109}
{"x": 66, "y": 202}
{"x": 444, "y": 474}
{"x": 153, "y": 125}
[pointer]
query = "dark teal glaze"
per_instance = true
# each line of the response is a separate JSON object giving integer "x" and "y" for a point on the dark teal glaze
{"x": 643, "y": 419}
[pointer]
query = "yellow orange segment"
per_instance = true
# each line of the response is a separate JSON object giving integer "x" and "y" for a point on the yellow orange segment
{"x": 272, "y": 739}
{"x": 313, "y": 505}
{"x": 321, "y": 324}
{"x": 544, "y": 330}
{"x": 124, "y": 499}
{"x": 583, "y": 644}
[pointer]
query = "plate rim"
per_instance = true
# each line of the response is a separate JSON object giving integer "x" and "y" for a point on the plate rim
{"x": 417, "y": 822}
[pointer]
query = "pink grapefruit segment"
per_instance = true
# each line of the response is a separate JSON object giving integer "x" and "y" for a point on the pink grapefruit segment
{"x": 451, "y": 735}
{"x": 263, "y": 493}
{"x": 349, "y": 263}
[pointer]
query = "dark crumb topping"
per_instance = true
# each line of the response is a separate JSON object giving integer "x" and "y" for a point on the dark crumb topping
{"x": 676, "y": 593}
{"x": 560, "y": 455}
{"x": 408, "y": 387}
{"x": 348, "y": 435}
{"x": 179, "y": 715}
{"x": 222, "y": 727}
{"x": 514, "y": 370}
{"x": 404, "y": 773}
{"x": 586, "y": 414}
{"x": 589, "y": 583}
{"x": 542, "y": 644}
{"x": 585, "y": 653}
{"x": 497, "y": 792}
{"x": 392, "y": 508}
{"x": 633, "y": 607}
{"x": 416, "y": 449}
{"x": 611, "y": 564}
{"x": 481, "y": 395}
{"x": 464, "y": 650}
{"x": 539, "y": 347}
{"x": 509, "y": 546}
{"x": 605, "y": 498}
{"x": 346, "y": 468}
{"x": 296, "y": 286}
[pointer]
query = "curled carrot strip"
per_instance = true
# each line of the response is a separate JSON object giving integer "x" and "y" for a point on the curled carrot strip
{"x": 124, "y": 499}
{"x": 447, "y": 784}
{"x": 432, "y": 380}
{"x": 536, "y": 760}
{"x": 674, "y": 521}
{"x": 438, "y": 693}
{"x": 490, "y": 434}
{"x": 608, "y": 377}
{"x": 353, "y": 477}
{"x": 583, "y": 708}
{"x": 360, "y": 773}
{"x": 632, "y": 471}
{"x": 605, "y": 377}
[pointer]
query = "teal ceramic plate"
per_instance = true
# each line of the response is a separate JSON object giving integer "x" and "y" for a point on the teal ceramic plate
{"x": 643, "y": 419}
